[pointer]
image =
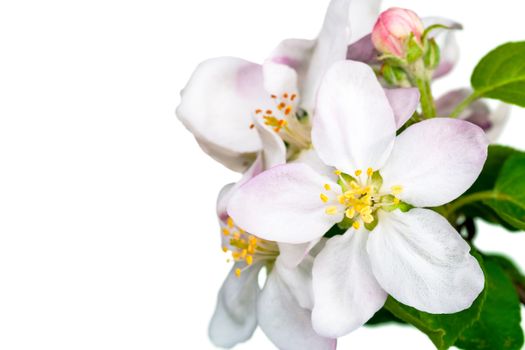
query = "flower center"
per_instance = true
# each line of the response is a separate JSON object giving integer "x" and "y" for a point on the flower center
{"x": 247, "y": 248}
{"x": 287, "y": 120}
{"x": 361, "y": 197}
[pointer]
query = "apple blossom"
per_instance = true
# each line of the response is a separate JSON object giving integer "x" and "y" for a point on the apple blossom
{"x": 282, "y": 308}
{"x": 228, "y": 100}
{"x": 414, "y": 255}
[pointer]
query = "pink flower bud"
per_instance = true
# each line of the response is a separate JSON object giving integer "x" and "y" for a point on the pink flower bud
{"x": 393, "y": 28}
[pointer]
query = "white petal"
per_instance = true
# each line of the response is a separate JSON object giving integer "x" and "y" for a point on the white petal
{"x": 310, "y": 158}
{"x": 218, "y": 102}
{"x": 235, "y": 317}
{"x": 346, "y": 293}
{"x": 291, "y": 255}
{"x": 421, "y": 261}
{"x": 236, "y": 161}
{"x": 284, "y": 322}
{"x": 363, "y": 15}
{"x": 435, "y": 161}
{"x": 273, "y": 148}
{"x": 298, "y": 279}
{"x": 354, "y": 126}
{"x": 330, "y": 47}
{"x": 283, "y": 204}
{"x": 404, "y": 102}
{"x": 228, "y": 190}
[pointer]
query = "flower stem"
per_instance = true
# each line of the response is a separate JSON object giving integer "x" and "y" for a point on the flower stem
{"x": 464, "y": 104}
{"x": 427, "y": 100}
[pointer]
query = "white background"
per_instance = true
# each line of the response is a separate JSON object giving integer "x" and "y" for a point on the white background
{"x": 108, "y": 238}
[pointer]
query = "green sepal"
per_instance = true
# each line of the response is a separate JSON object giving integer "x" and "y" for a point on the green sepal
{"x": 432, "y": 55}
{"x": 394, "y": 75}
{"x": 414, "y": 49}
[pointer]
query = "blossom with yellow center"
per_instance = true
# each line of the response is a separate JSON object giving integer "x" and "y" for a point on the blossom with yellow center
{"x": 392, "y": 245}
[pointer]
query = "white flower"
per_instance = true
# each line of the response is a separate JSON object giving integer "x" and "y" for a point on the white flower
{"x": 282, "y": 308}
{"x": 416, "y": 256}
{"x": 227, "y": 98}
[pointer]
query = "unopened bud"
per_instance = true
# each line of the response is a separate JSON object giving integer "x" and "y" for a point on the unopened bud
{"x": 394, "y": 29}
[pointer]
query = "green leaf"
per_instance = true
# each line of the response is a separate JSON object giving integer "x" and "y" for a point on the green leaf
{"x": 509, "y": 192}
{"x": 443, "y": 330}
{"x": 498, "y": 326}
{"x": 486, "y": 182}
{"x": 501, "y": 74}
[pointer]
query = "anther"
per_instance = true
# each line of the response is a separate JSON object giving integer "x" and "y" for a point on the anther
{"x": 358, "y": 172}
{"x": 324, "y": 197}
{"x": 331, "y": 210}
{"x": 327, "y": 187}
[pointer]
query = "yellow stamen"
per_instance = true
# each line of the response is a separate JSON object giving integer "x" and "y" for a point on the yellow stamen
{"x": 327, "y": 187}
{"x": 249, "y": 259}
{"x": 238, "y": 272}
{"x": 369, "y": 171}
{"x": 356, "y": 225}
{"x": 358, "y": 172}
{"x": 337, "y": 172}
{"x": 229, "y": 222}
{"x": 350, "y": 212}
{"x": 324, "y": 197}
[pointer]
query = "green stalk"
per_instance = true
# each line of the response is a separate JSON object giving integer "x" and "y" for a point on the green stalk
{"x": 428, "y": 105}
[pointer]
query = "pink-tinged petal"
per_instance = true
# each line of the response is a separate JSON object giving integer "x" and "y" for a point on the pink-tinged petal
{"x": 479, "y": 112}
{"x": 279, "y": 78}
{"x": 218, "y": 102}
{"x": 284, "y": 322}
{"x": 404, "y": 102}
{"x": 363, "y": 15}
{"x": 291, "y": 255}
{"x": 330, "y": 47}
{"x": 346, "y": 293}
{"x": 445, "y": 104}
{"x": 283, "y": 204}
{"x": 227, "y": 191}
{"x": 354, "y": 127}
{"x": 298, "y": 279}
{"x": 419, "y": 259}
{"x": 435, "y": 161}
{"x": 446, "y": 40}
{"x": 235, "y": 317}
{"x": 498, "y": 120}
{"x": 295, "y": 53}
{"x": 273, "y": 147}
{"x": 363, "y": 50}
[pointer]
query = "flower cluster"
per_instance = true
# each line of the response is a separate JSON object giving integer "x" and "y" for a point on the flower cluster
{"x": 348, "y": 163}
